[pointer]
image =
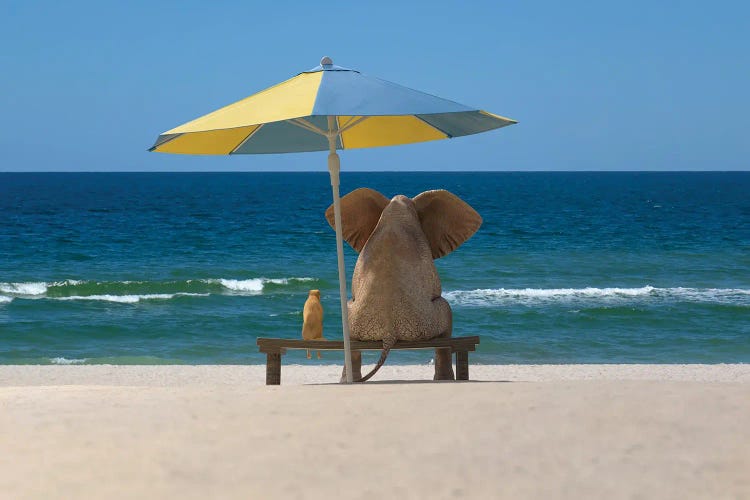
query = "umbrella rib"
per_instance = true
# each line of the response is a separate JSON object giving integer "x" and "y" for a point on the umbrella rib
{"x": 160, "y": 144}
{"x": 300, "y": 122}
{"x": 338, "y": 127}
{"x": 449, "y": 136}
{"x": 350, "y": 124}
{"x": 242, "y": 143}
{"x": 348, "y": 121}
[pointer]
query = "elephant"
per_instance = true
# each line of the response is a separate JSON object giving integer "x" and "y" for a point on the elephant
{"x": 396, "y": 291}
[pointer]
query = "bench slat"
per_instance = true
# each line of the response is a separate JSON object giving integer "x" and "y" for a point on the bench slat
{"x": 274, "y": 345}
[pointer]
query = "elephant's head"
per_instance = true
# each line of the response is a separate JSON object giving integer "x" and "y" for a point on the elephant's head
{"x": 395, "y": 286}
{"x": 445, "y": 219}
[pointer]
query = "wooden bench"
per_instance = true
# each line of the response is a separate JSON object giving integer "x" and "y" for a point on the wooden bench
{"x": 275, "y": 348}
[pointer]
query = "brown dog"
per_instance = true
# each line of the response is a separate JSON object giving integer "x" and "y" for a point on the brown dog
{"x": 312, "y": 319}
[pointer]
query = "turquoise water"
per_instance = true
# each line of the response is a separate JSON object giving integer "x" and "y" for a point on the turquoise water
{"x": 192, "y": 267}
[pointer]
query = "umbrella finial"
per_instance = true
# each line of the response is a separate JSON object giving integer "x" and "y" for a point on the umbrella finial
{"x": 326, "y": 61}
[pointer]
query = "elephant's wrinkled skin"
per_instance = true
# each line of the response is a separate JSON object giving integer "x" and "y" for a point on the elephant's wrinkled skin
{"x": 395, "y": 287}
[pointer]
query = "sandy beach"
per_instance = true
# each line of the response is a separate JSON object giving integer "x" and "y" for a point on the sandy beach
{"x": 554, "y": 431}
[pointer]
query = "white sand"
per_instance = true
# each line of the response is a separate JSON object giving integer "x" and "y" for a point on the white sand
{"x": 575, "y": 431}
{"x": 323, "y": 374}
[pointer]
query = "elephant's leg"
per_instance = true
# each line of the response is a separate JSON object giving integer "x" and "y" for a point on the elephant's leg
{"x": 443, "y": 356}
{"x": 356, "y": 367}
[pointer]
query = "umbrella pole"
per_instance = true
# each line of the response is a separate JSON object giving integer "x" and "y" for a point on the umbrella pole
{"x": 334, "y": 167}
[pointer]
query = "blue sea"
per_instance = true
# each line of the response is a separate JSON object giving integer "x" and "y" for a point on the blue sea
{"x": 163, "y": 268}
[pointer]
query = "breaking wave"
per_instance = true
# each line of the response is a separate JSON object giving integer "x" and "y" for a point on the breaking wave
{"x": 129, "y": 292}
{"x": 36, "y": 288}
{"x": 131, "y": 299}
{"x": 65, "y": 361}
{"x": 24, "y": 288}
{"x": 253, "y": 285}
{"x": 535, "y": 296}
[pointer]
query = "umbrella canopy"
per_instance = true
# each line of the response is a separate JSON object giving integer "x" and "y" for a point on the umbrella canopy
{"x": 293, "y": 117}
{"x": 325, "y": 109}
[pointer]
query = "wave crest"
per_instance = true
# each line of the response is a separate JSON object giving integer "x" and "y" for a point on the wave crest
{"x": 131, "y": 299}
{"x": 531, "y": 296}
{"x": 253, "y": 286}
{"x": 129, "y": 292}
{"x": 65, "y": 361}
{"x": 24, "y": 288}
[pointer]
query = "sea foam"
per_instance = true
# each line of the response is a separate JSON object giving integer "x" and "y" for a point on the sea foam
{"x": 253, "y": 286}
{"x": 134, "y": 291}
{"x": 65, "y": 361}
{"x": 131, "y": 299}
{"x": 35, "y": 288}
{"x": 531, "y": 296}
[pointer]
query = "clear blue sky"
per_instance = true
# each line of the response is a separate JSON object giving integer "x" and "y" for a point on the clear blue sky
{"x": 595, "y": 85}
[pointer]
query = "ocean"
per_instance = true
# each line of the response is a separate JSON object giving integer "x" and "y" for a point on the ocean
{"x": 569, "y": 267}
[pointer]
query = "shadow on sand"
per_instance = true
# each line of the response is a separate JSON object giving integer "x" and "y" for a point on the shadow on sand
{"x": 411, "y": 382}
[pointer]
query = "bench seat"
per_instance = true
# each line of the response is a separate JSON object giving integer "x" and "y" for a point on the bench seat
{"x": 274, "y": 348}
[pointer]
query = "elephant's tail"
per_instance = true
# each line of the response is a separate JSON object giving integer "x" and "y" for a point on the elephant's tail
{"x": 387, "y": 344}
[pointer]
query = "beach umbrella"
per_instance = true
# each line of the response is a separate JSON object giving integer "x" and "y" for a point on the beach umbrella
{"x": 324, "y": 109}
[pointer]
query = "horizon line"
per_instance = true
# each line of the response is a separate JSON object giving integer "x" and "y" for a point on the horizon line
{"x": 359, "y": 171}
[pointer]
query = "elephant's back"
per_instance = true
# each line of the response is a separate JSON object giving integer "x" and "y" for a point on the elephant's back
{"x": 398, "y": 302}
{"x": 393, "y": 286}
{"x": 374, "y": 318}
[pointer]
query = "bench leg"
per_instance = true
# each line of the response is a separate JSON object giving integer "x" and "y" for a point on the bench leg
{"x": 462, "y": 365}
{"x": 273, "y": 369}
{"x": 443, "y": 364}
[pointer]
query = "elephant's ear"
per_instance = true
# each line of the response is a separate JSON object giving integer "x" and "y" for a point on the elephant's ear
{"x": 360, "y": 213}
{"x": 446, "y": 220}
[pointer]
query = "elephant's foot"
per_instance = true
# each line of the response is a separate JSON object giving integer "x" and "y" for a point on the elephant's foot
{"x": 443, "y": 365}
{"x": 356, "y": 367}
